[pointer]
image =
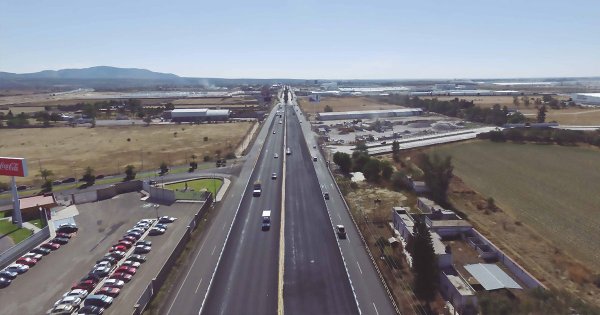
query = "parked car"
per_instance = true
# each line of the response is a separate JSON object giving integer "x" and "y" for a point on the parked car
{"x": 91, "y": 310}
{"x": 129, "y": 238}
{"x": 8, "y": 274}
{"x": 125, "y": 243}
{"x": 135, "y": 235}
{"x": 156, "y": 231}
{"x": 144, "y": 242}
{"x": 5, "y": 282}
{"x": 70, "y": 300}
{"x": 67, "y": 228}
{"x": 56, "y": 182}
{"x": 121, "y": 276}
{"x": 69, "y": 180}
{"x": 62, "y": 309}
{"x": 114, "y": 283}
{"x": 141, "y": 249}
{"x": 112, "y": 260}
{"x": 161, "y": 226}
{"x": 110, "y": 291}
{"x": 136, "y": 230}
{"x": 26, "y": 261}
{"x": 118, "y": 254}
{"x": 64, "y": 235}
{"x": 98, "y": 300}
{"x": 130, "y": 263}
{"x": 125, "y": 269}
{"x": 142, "y": 226}
{"x": 87, "y": 285}
{"x": 77, "y": 292}
{"x": 51, "y": 245}
{"x": 120, "y": 248}
{"x": 18, "y": 268}
{"x": 41, "y": 250}
{"x": 166, "y": 219}
{"x": 60, "y": 240}
{"x": 35, "y": 256}
{"x": 102, "y": 271}
{"x": 137, "y": 258}
{"x": 147, "y": 221}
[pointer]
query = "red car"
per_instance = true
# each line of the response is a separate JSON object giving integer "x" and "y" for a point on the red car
{"x": 63, "y": 235}
{"x": 125, "y": 243}
{"x": 121, "y": 276}
{"x": 51, "y": 246}
{"x": 87, "y": 285}
{"x": 119, "y": 248}
{"x": 112, "y": 292}
{"x": 129, "y": 238}
{"x": 27, "y": 261}
{"x": 128, "y": 270}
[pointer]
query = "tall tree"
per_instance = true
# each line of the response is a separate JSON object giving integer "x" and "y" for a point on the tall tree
{"x": 88, "y": 176}
{"x": 516, "y": 101}
{"x": 396, "y": 151}
{"x": 386, "y": 170}
{"x": 372, "y": 170}
{"x": 163, "y": 168}
{"x": 130, "y": 172}
{"x": 45, "y": 173}
{"x": 424, "y": 264}
{"x": 327, "y": 109}
{"x": 437, "y": 175}
{"x": 343, "y": 160}
{"x": 541, "y": 115}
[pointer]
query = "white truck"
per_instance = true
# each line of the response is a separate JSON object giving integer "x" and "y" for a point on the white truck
{"x": 266, "y": 220}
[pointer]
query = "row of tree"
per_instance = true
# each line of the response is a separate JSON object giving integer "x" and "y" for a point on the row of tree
{"x": 546, "y": 136}
{"x": 373, "y": 169}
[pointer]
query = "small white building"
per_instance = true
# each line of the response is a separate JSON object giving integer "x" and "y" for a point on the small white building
{"x": 586, "y": 98}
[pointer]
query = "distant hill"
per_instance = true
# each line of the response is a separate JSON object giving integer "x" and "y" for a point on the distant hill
{"x": 94, "y": 73}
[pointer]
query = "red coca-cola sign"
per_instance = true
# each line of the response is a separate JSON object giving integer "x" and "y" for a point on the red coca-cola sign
{"x": 13, "y": 167}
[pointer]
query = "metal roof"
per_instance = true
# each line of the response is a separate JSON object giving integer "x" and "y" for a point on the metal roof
{"x": 491, "y": 277}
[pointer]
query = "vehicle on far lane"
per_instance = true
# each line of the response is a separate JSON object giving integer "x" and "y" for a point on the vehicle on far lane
{"x": 266, "y": 220}
{"x": 341, "y": 231}
{"x": 274, "y": 176}
{"x": 326, "y": 195}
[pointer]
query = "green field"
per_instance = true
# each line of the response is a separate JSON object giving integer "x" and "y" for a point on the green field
{"x": 554, "y": 189}
{"x": 212, "y": 185}
{"x": 37, "y": 222}
{"x": 16, "y": 234}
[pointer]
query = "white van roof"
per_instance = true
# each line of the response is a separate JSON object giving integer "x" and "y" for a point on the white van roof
{"x": 266, "y": 213}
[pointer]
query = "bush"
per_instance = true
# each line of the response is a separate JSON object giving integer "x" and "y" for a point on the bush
{"x": 207, "y": 158}
{"x": 230, "y": 156}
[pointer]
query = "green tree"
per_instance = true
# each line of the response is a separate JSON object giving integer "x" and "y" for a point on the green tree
{"x": 437, "y": 175}
{"x": 47, "y": 185}
{"x": 525, "y": 100}
{"x": 359, "y": 160}
{"x": 327, "y": 109}
{"x": 386, "y": 170}
{"x": 45, "y": 173}
{"x": 491, "y": 204}
{"x": 130, "y": 172}
{"x": 516, "y": 101}
{"x": 88, "y": 176}
{"x": 372, "y": 170}
{"x": 424, "y": 264}
{"x": 163, "y": 168}
{"x": 541, "y": 115}
{"x": 169, "y": 106}
{"x": 343, "y": 160}
{"x": 396, "y": 151}
{"x": 546, "y": 98}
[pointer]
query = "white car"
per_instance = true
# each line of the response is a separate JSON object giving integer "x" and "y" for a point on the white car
{"x": 18, "y": 268}
{"x": 156, "y": 231}
{"x": 146, "y": 221}
{"x": 167, "y": 219}
{"x": 274, "y": 176}
{"x": 103, "y": 263}
{"x": 35, "y": 256}
{"x": 70, "y": 300}
{"x": 130, "y": 263}
{"x": 114, "y": 283}
{"x": 276, "y": 155}
{"x": 80, "y": 293}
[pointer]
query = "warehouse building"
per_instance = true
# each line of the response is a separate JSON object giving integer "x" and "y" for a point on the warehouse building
{"x": 199, "y": 115}
{"x": 370, "y": 114}
{"x": 586, "y": 98}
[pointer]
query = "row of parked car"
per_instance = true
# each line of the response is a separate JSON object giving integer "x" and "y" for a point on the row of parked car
{"x": 27, "y": 261}
{"x": 110, "y": 273}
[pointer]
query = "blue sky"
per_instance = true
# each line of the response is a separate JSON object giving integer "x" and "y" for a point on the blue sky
{"x": 327, "y": 39}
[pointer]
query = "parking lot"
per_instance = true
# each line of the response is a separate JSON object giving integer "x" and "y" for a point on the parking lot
{"x": 101, "y": 225}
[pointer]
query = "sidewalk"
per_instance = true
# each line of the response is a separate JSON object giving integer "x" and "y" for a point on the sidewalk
{"x": 246, "y": 142}
{"x": 222, "y": 190}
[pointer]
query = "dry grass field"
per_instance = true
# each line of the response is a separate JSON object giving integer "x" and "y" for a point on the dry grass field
{"x": 216, "y": 101}
{"x": 346, "y": 103}
{"x": 489, "y": 101}
{"x": 570, "y": 116}
{"x": 552, "y": 189}
{"x": 68, "y": 151}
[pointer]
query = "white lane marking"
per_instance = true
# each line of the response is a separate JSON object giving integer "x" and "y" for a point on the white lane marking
{"x": 213, "y": 252}
{"x": 186, "y": 275}
{"x": 375, "y": 307}
{"x": 339, "y": 216}
{"x": 359, "y": 269}
{"x": 199, "y": 283}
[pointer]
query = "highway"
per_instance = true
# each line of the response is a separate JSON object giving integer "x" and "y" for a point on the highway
{"x": 193, "y": 280}
{"x": 370, "y": 292}
{"x": 315, "y": 281}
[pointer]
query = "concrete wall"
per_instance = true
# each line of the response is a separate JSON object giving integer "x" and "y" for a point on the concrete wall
{"x": 160, "y": 195}
{"x": 120, "y": 188}
{"x": 10, "y": 255}
{"x": 85, "y": 197}
{"x": 451, "y": 293}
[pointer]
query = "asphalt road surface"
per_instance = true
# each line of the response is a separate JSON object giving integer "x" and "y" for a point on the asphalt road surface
{"x": 190, "y": 291}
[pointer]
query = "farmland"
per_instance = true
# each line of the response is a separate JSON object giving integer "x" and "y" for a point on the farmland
{"x": 550, "y": 188}
{"x": 346, "y": 103}
{"x": 68, "y": 151}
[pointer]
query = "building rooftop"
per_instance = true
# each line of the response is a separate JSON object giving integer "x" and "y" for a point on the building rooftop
{"x": 36, "y": 201}
{"x": 462, "y": 287}
{"x": 491, "y": 277}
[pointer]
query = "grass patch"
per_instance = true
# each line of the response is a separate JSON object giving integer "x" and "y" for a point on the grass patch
{"x": 13, "y": 231}
{"x": 549, "y": 187}
{"x": 212, "y": 185}
{"x": 37, "y": 222}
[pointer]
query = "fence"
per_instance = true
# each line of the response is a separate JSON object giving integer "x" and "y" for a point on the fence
{"x": 157, "y": 282}
{"x": 11, "y": 254}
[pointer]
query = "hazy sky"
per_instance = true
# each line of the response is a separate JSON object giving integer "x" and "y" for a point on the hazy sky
{"x": 306, "y": 39}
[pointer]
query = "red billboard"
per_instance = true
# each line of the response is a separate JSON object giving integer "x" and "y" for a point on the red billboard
{"x": 13, "y": 166}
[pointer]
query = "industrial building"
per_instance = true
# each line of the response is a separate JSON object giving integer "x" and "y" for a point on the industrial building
{"x": 586, "y": 98}
{"x": 199, "y": 115}
{"x": 370, "y": 114}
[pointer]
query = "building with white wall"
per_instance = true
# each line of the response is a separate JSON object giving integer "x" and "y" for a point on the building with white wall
{"x": 586, "y": 98}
